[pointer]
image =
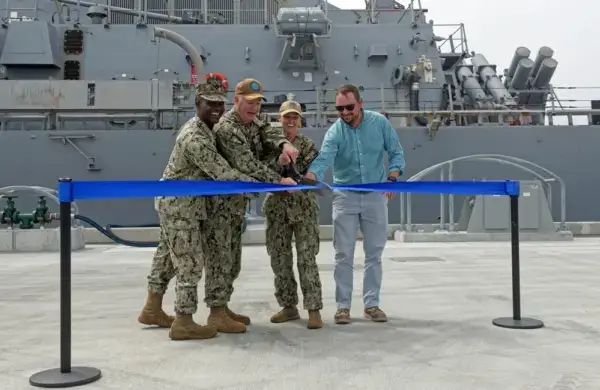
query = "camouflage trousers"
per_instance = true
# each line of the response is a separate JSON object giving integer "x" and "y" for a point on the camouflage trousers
{"x": 180, "y": 253}
{"x": 223, "y": 248}
{"x": 303, "y": 225}
{"x": 162, "y": 270}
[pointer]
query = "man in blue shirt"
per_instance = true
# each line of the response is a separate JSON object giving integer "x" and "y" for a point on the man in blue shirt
{"x": 354, "y": 147}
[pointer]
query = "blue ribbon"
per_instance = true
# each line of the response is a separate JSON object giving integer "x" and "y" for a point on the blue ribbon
{"x": 69, "y": 191}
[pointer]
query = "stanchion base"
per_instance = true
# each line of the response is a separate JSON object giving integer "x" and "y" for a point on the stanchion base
{"x": 54, "y": 379}
{"x": 523, "y": 323}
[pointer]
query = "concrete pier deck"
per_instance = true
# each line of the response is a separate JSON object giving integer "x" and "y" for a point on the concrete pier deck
{"x": 440, "y": 299}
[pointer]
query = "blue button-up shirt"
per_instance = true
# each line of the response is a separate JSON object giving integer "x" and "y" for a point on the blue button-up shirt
{"x": 357, "y": 153}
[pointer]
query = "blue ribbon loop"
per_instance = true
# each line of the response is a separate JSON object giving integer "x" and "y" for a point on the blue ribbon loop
{"x": 69, "y": 191}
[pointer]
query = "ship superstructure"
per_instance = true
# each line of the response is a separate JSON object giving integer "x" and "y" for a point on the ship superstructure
{"x": 84, "y": 86}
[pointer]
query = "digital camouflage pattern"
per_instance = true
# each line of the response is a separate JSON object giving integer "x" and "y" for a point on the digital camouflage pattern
{"x": 162, "y": 270}
{"x": 183, "y": 219}
{"x": 246, "y": 147}
{"x": 212, "y": 90}
{"x": 223, "y": 247}
{"x": 224, "y": 253}
{"x": 295, "y": 215}
{"x": 184, "y": 239}
{"x": 243, "y": 147}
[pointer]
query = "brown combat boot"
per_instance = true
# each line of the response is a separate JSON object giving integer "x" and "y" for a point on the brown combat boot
{"x": 289, "y": 313}
{"x": 314, "y": 320}
{"x": 153, "y": 314}
{"x": 219, "y": 320}
{"x": 237, "y": 317}
{"x": 184, "y": 328}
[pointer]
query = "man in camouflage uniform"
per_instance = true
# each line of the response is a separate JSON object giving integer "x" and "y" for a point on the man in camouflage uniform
{"x": 244, "y": 137}
{"x": 297, "y": 215}
{"x": 183, "y": 219}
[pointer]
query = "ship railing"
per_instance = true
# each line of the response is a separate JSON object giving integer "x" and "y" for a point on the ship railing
{"x": 56, "y": 118}
{"x": 220, "y": 16}
{"x": 10, "y": 14}
{"x": 411, "y": 14}
{"x": 240, "y": 14}
{"x": 225, "y": 13}
{"x": 506, "y": 117}
{"x": 456, "y": 41}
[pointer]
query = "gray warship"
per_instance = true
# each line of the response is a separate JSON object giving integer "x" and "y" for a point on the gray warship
{"x": 97, "y": 91}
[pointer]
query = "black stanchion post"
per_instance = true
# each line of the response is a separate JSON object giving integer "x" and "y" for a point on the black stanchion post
{"x": 65, "y": 376}
{"x": 516, "y": 322}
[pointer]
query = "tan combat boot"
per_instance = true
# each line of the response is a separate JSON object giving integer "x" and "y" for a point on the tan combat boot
{"x": 153, "y": 314}
{"x": 219, "y": 320}
{"x": 184, "y": 328}
{"x": 237, "y": 317}
{"x": 286, "y": 314}
{"x": 314, "y": 320}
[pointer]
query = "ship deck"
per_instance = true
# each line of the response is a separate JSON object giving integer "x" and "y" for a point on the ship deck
{"x": 440, "y": 299}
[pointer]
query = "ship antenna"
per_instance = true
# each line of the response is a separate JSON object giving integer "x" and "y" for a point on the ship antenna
{"x": 370, "y": 7}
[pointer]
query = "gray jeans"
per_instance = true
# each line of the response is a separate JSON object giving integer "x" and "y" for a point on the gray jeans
{"x": 369, "y": 212}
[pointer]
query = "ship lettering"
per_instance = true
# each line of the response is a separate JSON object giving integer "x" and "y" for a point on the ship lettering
{"x": 36, "y": 96}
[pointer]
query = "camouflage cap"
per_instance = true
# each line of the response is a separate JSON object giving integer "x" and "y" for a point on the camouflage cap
{"x": 249, "y": 89}
{"x": 289, "y": 107}
{"x": 212, "y": 90}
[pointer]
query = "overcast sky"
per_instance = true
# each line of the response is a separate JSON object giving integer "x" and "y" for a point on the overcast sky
{"x": 496, "y": 28}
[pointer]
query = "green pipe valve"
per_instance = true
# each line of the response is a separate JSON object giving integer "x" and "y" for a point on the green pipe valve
{"x": 11, "y": 216}
{"x": 9, "y": 211}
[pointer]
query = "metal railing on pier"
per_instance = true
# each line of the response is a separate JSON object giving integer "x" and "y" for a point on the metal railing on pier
{"x": 446, "y": 172}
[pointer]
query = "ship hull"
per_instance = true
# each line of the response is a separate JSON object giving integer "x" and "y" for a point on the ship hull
{"x": 571, "y": 152}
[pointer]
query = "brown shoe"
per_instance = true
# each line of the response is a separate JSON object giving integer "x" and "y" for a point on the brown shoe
{"x": 219, "y": 319}
{"x": 342, "y": 317}
{"x": 314, "y": 320}
{"x": 285, "y": 315}
{"x": 237, "y": 317}
{"x": 184, "y": 328}
{"x": 153, "y": 314}
{"x": 375, "y": 314}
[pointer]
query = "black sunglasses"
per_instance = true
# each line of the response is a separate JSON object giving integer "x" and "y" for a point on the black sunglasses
{"x": 347, "y": 107}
